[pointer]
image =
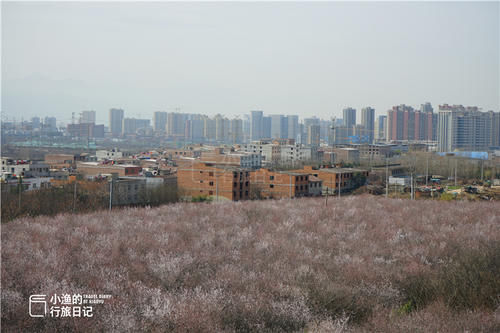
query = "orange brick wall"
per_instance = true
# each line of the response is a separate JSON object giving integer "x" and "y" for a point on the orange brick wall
{"x": 279, "y": 186}
{"x": 201, "y": 179}
{"x": 330, "y": 179}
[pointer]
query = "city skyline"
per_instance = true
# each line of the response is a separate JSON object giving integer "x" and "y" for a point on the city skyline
{"x": 209, "y": 58}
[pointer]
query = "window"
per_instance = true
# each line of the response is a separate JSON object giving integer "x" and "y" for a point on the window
{"x": 201, "y": 171}
{"x": 271, "y": 185}
{"x": 211, "y": 183}
{"x": 271, "y": 177}
{"x": 211, "y": 192}
{"x": 235, "y": 184}
{"x": 235, "y": 174}
{"x": 246, "y": 193}
{"x": 246, "y": 183}
{"x": 211, "y": 174}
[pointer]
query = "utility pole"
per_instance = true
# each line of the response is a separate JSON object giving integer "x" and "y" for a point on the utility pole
{"x": 482, "y": 170}
{"x": 411, "y": 186}
{"x": 340, "y": 182}
{"x": 111, "y": 194}
{"x": 74, "y": 198}
{"x": 427, "y": 170}
{"x": 386, "y": 177}
{"x": 455, "y": 172}
{"x": 20, "y": 186}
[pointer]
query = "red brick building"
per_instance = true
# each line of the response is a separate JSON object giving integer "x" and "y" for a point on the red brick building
{"x": 331, "y": 177}
{"x": 279, "y": 184}
{"x": 212, "y": 180}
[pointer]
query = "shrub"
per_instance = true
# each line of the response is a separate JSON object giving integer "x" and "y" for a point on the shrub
{"x": 419, "y": 290}
{"x": 201, "y": 198}
{"x": 333, "y": 301}
{"x": 471, "y": 280}
{"x": 273, "y": 265}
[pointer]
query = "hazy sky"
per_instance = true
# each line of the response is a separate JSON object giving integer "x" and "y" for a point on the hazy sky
{"x": 229, "y": 58}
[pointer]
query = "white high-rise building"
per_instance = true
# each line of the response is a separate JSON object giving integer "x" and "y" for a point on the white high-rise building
{"x": 160, "y": 122}
{"x": 368, "y": 122}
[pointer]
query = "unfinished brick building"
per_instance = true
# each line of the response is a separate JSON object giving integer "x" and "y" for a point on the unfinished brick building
{"x": 331, "y": 177}
{"x": 279, "y": 184}
{"x": 212, "y": 180}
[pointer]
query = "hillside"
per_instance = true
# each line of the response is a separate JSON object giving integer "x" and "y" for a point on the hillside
{"x": 359, "y": 264}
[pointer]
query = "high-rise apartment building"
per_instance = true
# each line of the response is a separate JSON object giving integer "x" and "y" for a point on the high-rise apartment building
{"x": 209, "y": 129}
{"x": 87, "y": 117}
{"x": 349, "y": 115}
{"x": 131, "y": 125}
{"x": 406, "y": 124}
{"x": 195, "y": 128}
{"x": 266, "y": 127}
{"x": 426, "y": 107}
{"x": 279, "y": 127}
{"x": 160, "y": 121}
{"x": 495, "y": 129}
{"x": 313, "y": 135}
{"x": 380, "y": 128}
{"x": 293, "y": 126}
{"x": 176, "y": 124}
{"x": 236, "y": 131}
{"x": 246, "y": 127}
{"x": 256, "y": 124}
{"x": 368, "y": 122}
{"x": 221, "y": 128}
{"x": 466, "y": 128}
{"x": 35, "y": 122}
{"x": 50, "y": 124}
{"x": 116, "y": 121}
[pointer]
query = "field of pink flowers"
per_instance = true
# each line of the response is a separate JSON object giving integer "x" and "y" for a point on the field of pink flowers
{"x": 360, "y": 264}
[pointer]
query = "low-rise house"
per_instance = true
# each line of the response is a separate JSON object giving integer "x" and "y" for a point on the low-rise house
{"x": 206, "y": 179}
{"x": 373, "y": 151}
{"x": 15, "y": 167}
{"x": 60, "y": 161}
{"x": 112, "y": 154}
{"x": 279, "y": 184}
{"x": 347, "y": 155}
{"x": 96, "y": 169}
{"x": 315, "y": 186}
{"x": 346, "y": 178}
{"x": 239, "y": 159}
{"x": 28, "y": 183}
